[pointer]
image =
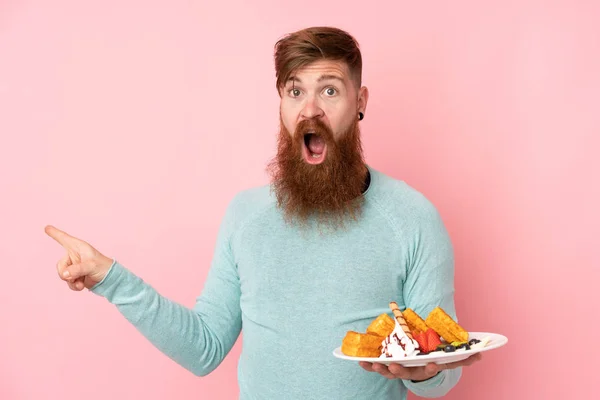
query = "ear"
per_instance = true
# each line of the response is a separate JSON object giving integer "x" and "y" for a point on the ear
{"x": 363, "y": 98}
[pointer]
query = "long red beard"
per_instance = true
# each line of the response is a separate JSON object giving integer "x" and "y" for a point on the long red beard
{"x": 330, "y": 191}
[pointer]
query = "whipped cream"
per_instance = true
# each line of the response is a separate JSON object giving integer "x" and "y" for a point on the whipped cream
{"x": 398, "y": 345}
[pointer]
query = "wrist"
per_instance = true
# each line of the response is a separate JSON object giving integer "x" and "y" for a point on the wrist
{"x": 104, "y": 276}
{"x": 103, "y": 265}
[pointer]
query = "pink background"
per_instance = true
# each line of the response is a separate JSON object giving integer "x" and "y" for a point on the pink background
{"x": 131, "y": 124}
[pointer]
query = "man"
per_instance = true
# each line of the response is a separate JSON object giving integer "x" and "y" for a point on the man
{"x": 321, "y": 250}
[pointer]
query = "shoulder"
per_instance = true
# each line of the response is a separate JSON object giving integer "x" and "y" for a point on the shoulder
{"x": 401, "y": 201}
{"x": 253, "y": 198}
{"x": 248, "y": 204}
{"x": 413, "y": 217}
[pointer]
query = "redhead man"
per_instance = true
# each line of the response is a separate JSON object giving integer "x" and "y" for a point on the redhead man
{"x": 319, "y": 251}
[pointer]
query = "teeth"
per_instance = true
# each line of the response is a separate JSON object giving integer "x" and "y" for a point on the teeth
{"x": 316, "y": 155}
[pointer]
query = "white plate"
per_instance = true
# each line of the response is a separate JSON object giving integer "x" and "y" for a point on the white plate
{"x": 438, "y": 357}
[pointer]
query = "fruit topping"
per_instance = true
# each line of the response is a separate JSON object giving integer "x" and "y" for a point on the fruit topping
{"x": 449, "y": 348}
{"x": 433, "y": 340}
{"x": 422, "y": 340}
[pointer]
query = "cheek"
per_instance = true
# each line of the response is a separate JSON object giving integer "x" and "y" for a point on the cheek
{"x": 288, "y": 120}
{"x": 341, "y": 118}
{"x": 341, "y": 125}
{"x": 289, "y": 126}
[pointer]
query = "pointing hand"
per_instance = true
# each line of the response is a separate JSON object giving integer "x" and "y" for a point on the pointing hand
{"x": 83, "y": 266}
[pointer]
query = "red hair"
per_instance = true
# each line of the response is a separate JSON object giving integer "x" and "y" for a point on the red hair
{"x": 298, "y": 49}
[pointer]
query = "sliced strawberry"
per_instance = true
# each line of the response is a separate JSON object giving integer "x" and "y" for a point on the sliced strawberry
{"x": 433, "y": 340}
{"x": 422, "y": 340}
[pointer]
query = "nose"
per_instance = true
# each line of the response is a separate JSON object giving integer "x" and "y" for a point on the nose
{"x": 311, "y": 108}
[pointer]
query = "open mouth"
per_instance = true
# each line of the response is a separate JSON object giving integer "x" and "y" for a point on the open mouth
{"x": 315, "y": 148}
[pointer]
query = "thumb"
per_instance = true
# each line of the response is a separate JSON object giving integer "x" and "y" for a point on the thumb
{"x": 79, "y": 270}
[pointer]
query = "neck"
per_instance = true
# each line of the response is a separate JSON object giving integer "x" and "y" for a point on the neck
{"x": 367, "y": 180}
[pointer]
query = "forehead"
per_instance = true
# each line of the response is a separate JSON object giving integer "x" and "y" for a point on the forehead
{"x": 317, "y": 70}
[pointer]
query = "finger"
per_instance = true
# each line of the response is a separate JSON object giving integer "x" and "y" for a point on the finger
{"x": 400, "y": 372}
{"x": 377, "y": 367}
{"x": 366, "y": 365}
{"x": 383, "y": 370}
{"x": 418, "y": 373}
{"x": 80, "y": 270}
{"x": 473, "y": 359}
{"x": 62, "y": 266}
{"x": 79, "y": 284}
{"x": 463, "y": 363}
{"x": 63, "y": 238}
{"x": 72, "y": 286}
{"x": 431, "y": 369}
{"x": 389, "y": 375}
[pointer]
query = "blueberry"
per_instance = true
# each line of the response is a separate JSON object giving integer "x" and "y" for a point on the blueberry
{"x": 449, "y": 348}
{"x": 467, "y": 347}
{"x": 474, "y": 341}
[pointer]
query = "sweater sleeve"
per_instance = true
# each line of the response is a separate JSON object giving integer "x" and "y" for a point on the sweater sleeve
{"x": 199, "y": 338}
{"x": 430, "y": 283}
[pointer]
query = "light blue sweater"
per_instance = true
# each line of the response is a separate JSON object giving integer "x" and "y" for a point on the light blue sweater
{"x": 295, "y": 293}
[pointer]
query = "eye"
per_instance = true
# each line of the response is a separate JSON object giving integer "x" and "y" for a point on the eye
{"x": 330, "y": 91}
{"x": 294, "y": 92}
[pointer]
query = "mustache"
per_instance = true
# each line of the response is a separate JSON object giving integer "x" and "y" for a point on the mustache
{"x": 313, "y": 125}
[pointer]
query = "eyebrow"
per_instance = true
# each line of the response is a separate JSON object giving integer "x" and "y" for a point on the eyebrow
{"x": 324, "y": 77}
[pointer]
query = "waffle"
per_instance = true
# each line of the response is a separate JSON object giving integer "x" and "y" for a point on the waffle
{"x": 383, "y": 325}
{"x": 415, "y": 323}
{"x": 362, "y": 344}
{"x": 445, "y": 326}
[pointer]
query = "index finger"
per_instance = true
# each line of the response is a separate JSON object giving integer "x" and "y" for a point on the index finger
{"x": 366, "y": 365}
{"x": 63, "y": 238}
